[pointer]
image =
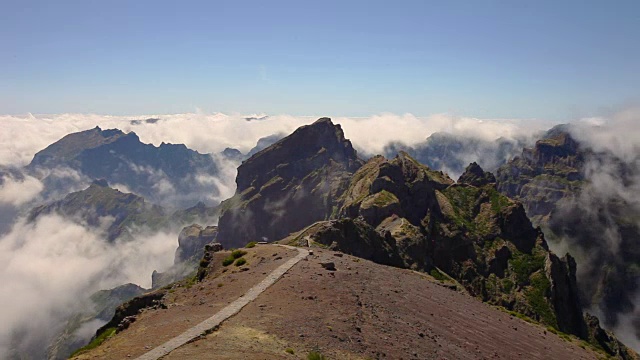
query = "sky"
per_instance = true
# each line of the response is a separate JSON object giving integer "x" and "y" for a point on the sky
{"x": 554, "y": 60}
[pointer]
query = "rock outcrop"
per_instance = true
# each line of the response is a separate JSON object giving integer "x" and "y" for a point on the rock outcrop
{"x": 475, "y": 176}
{"x": 289, "y": 185}
{"x": 564, "y": 294}
{"x": 191, "y": 242}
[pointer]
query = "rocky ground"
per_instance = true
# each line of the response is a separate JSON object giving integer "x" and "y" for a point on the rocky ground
{"x": 361, "y": 310}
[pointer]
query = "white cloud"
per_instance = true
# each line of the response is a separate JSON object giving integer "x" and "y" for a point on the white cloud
{"x": 23, "y": 136}
{"x": 48, "y": 269}
{"x": 17, "y": 192}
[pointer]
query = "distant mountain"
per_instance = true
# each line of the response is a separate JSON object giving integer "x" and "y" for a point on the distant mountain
{"x": 200, "y": 213}
{"x": 545, "y": 174}
{"x": 584, "y": 201}
{"x": 92, "y": 205}
{"x": 452, "y": 153}
{"x": 263, "y": 143}
{"x": 170, "y": 173}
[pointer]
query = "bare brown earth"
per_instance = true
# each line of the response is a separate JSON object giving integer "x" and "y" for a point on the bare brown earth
{"x": 362, "y": 310}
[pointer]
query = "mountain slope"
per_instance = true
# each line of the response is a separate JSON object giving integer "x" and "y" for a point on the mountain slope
{"x": 361, "y": 310}
{"x": 399, "y": 212}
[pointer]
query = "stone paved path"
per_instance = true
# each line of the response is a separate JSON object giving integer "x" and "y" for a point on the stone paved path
{"x": 226, "y": 312}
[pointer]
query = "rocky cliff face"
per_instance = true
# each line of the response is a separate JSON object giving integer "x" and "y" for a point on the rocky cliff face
{"x": 555, "y": 182}
{"x": 153, "y": 172}
{"x": 191, "y": 242}
{"x": 289, "y": 185}
{"x": 545, "y": 174}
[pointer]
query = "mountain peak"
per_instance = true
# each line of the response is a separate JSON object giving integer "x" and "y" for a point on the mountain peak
{"x": 324, "y": 120}
{"x": 303, "y": 175}
{"x": 312, "y": 145}
{"x": 474, "y": 175}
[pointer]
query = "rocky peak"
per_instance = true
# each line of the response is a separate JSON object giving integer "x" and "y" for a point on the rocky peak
{"x": 475, "y": 176}
{"x": 73, "y": 144}
{"x": 544, "y": 174}
{"x": 557, "y": 146}
{"x": 307, "y": 148}
{"x": 400, "y": 186}
{"x": 290, "y": 184}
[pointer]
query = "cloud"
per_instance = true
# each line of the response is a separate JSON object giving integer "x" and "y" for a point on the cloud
{"x": 17, "y": 192}
{"x": 23, "y": 136}
{"x": 600, "y": 226}
{"x": 49, "y": 268}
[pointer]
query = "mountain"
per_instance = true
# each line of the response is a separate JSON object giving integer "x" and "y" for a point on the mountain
{"x": 98, "y": 202}
{"x": 199, "y": 213}
{"x": 401, "y": 213}
{"x": 170, "y": 173}
{"x": 301, "y": 176}
{"x": 545, "y": 174}
{"x": 452, "y": 153}
{"x": 311, "y": 190}
{"x": 264, "y": 143}
{"x": 584, "y": 201}
{"x": 356, "y": 310}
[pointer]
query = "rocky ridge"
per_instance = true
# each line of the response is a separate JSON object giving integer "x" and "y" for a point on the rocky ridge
{"x": 401, "y": 213}
{"x": 121, "y": 158}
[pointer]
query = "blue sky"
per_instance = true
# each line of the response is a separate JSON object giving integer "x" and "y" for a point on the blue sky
{"x": 508, "y": 59}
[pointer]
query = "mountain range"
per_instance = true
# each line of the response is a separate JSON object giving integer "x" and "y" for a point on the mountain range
{"x": 491, "y": 237}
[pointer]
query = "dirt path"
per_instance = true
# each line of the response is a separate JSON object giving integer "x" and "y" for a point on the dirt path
{"x": 225, "y": 313}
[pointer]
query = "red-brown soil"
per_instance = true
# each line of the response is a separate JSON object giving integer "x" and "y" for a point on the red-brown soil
{"x": 360, "y": 311}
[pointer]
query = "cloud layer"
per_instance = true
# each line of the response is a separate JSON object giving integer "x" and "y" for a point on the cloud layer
{"x": 23, "y": 136}
{"x": 50, "y": 267}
